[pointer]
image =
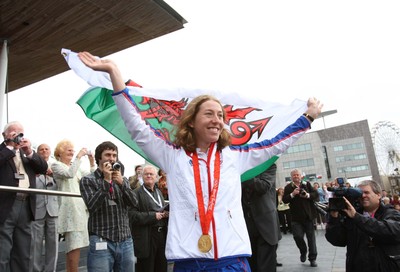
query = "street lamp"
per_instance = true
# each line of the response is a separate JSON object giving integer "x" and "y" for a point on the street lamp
{"x": 323, "y": 114}
{"x": 326, "y": 113}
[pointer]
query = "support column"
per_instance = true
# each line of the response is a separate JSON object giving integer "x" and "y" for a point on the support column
{"x": 3, "y": 85}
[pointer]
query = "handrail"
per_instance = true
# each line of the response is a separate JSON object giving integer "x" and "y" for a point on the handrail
{"x": 37, "y": 191}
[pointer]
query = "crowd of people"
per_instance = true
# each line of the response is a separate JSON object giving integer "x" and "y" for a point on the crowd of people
{"x": 211, "y": 222}
{"x": 98, "y": 212}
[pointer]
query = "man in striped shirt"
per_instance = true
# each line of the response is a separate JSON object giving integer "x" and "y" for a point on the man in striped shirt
{"x": 107, "y": 195}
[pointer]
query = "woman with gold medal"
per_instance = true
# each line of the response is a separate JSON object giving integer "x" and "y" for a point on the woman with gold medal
{"x": 206, "y": 229}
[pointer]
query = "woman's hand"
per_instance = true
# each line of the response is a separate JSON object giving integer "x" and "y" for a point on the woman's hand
{"x": 104, "y": 65}
{"x": 314, "y": 107}
{"x": 96, "y": 63}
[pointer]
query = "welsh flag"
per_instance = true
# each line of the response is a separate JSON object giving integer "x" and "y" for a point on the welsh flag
{"x": 248, "y": 119}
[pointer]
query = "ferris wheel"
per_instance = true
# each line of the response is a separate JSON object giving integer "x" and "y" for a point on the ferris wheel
{"x": 386, "y": 140}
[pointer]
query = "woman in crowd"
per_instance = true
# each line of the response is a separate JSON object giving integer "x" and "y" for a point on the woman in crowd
{"x": 285, "y": 218}
{"x": 73, "y": 215}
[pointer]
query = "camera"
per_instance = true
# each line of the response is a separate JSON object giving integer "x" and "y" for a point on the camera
{"x": 17, "y": 139}
{"x": 303, "y": 188}
{"x": 337, "y": 202}
{"x": 116, "y": 166}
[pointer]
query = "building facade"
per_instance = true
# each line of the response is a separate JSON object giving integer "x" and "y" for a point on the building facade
{"x": 344, "y": 151}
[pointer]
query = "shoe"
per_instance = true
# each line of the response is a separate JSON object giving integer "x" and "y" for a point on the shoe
{"x": 303, "y": 257}
{"x": 279, "y": 264}
{"x": 313, "y": 263}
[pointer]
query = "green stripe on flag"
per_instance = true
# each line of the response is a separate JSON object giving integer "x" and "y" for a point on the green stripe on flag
{"x": 258, "y": 169}
{"x": 99, "y": 106}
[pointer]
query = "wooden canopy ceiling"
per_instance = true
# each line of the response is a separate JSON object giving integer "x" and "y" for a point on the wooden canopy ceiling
{"x": 36, "y": 30}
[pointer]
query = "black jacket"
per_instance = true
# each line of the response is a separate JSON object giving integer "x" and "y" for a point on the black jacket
{"x": 369, "y": 240}
{"x": 301, "y": 209}
{"x": 259, "y": 205}
{"x": 142, "y": 218}
{"x": 33, "y": 166}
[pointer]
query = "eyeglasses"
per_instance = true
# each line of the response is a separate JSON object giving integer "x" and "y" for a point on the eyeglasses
{"x": 148, "y": 174}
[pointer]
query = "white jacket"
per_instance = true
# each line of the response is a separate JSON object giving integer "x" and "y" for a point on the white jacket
{"x": 229, "y": 227}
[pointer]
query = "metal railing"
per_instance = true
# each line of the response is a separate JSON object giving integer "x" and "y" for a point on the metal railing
{"x": 37, "y": 191}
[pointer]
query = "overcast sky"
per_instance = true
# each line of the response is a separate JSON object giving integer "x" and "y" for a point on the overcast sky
{"x": 346, "y": 53}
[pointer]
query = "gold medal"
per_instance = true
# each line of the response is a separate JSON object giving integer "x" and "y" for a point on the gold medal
{"x": 204, "y": 243}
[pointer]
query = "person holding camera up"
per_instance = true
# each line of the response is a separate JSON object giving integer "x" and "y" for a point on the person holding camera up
{"x": 72, "y": 217}
{"x": 301, "y": 196}
{"x": 107, "y": 195}
{"x": 370, "y": 232}
{"x": 19, "y": 165}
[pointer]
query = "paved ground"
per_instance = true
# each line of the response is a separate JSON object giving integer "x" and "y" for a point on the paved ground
{"x": 330, "y": 258}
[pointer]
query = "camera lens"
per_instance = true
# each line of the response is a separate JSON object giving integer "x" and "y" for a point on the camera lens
{"x": 18, "y": 138}
{"x": 116, "y": 166}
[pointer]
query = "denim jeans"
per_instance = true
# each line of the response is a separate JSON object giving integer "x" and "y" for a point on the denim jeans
{"x": 231, "y": 264}
{"x": 118, "y": 256}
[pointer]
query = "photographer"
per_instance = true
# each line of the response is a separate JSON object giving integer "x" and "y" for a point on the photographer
{"x": 107, "y": 193}
{"x": 19, "y": 165}
{"x": 301, "y": 196}
{"x": 371, "y": 234}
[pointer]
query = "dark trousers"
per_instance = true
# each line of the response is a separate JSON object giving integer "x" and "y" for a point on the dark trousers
{"x": 156, "y": 261}
{"x": 15, "y": 238}
{"x": 285, "y": 219}
{"x": 307, "y": 228}
{"x": 263, "y": 258}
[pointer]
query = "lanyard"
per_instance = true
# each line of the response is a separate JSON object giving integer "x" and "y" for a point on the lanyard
{"x": 205, "y": 217}
{"x": 159, "y": 204}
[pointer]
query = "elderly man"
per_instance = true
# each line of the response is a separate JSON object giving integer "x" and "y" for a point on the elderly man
{"x": 149, "y": 224}
{"x": 45, "y": 225}
{"x": 301, "y": 196}
{"x": 19, "y": 165}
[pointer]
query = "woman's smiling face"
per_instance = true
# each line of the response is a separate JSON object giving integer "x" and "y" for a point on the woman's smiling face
{"x": 208, "y": 124}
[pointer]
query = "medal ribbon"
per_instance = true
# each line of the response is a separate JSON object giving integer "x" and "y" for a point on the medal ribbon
{"x": 205, "y": 218}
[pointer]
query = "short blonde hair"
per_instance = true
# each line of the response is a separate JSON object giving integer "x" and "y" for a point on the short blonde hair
{"x": 60, "y": 148}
